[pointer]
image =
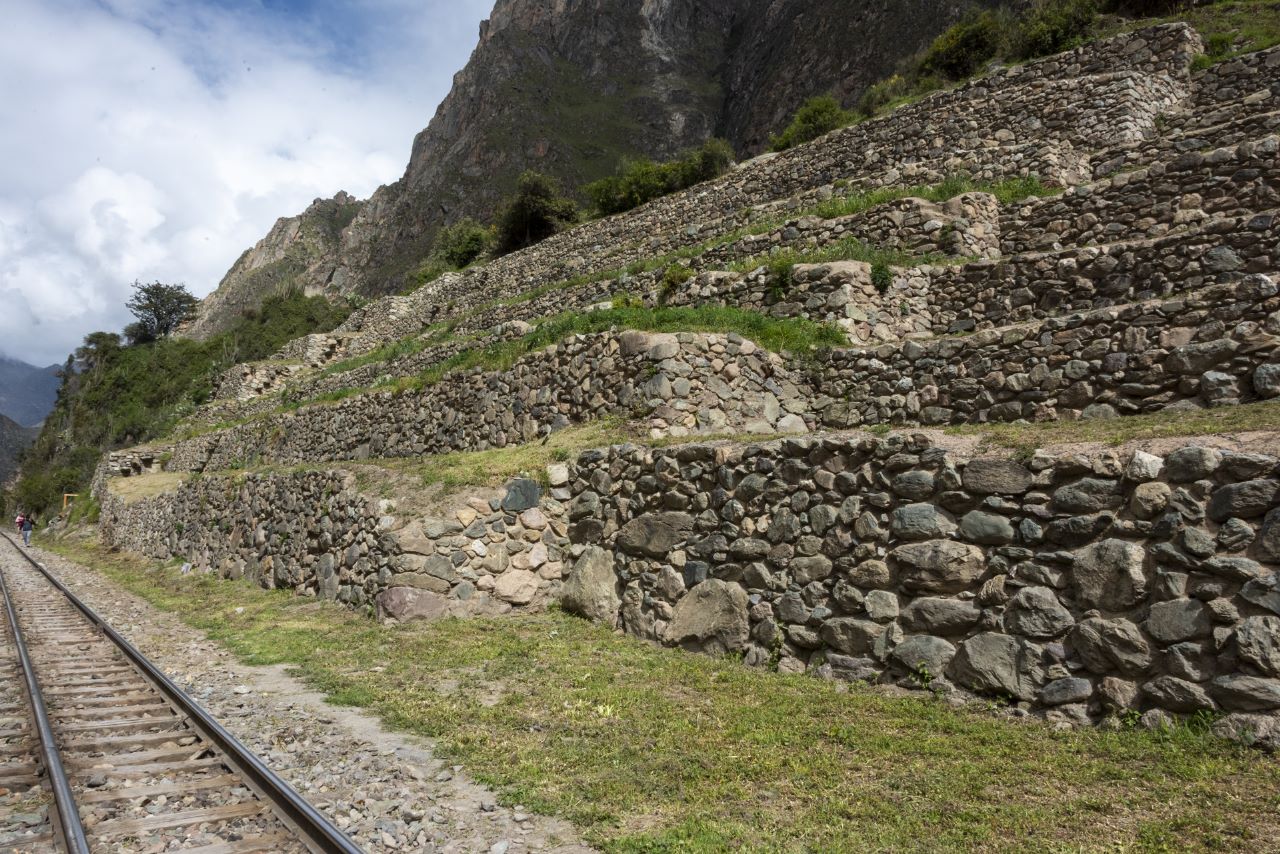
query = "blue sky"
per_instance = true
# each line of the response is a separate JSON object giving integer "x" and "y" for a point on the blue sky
{"x": 157, "y": 139}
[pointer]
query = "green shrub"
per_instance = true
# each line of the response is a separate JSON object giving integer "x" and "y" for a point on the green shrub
{"x": 1053, "y": 26}
{"x": 816, "y": 116}
{"x": 536, "y": 211}
{"x": 461, "y": 243}
{"x": 643, "y": 180}
{"x": 675, "y": 276}
{"x": 881, "y": 277}
{"x": 964, "y": 48}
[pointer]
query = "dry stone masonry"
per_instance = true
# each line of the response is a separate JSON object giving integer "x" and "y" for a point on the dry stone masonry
{"x": 1079, "y": 586}
{"x": 315, "y": 533}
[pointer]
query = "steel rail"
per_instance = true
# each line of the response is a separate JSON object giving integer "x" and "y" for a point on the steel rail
{"x": 315, "y": 831}
{"x": 64, "y": 802}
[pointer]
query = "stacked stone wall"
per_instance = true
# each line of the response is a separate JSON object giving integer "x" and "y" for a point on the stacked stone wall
{"x": 680, "y": 384}
{"x": 1211, "y": 347}
{"x": 1040, "y": 118}
{"x": 1075, "y": 584}
{"x": 315, "y": 533}
{"x": 1044, "y": 284}
{"x": 1195, "y": 186}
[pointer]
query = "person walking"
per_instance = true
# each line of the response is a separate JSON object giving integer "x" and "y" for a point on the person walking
{"x": 28, "y": 525}
{"x": 18, "y": 521}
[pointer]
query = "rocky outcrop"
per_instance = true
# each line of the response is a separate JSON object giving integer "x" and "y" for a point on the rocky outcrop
{"x": 299, "y": 253}
{"x": 571, "y": 88}
{"x": 14, "y": 440}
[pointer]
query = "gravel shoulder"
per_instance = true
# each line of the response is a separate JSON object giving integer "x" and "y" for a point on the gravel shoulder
{"x": 386, "y": 789}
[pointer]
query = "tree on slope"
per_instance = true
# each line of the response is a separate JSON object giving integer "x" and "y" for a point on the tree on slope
{"x": 159, "y": 309}
{"x": 534, "y": 213}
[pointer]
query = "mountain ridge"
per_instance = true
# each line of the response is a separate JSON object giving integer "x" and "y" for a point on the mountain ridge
{"x": 570, "y": 88}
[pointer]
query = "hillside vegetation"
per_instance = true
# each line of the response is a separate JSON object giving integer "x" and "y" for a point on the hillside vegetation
{"x": 113, "y": 395}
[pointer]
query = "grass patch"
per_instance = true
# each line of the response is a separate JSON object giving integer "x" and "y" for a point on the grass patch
{"x": 781, "y": 262}
{"x": 1007, "y": 192}
{"x": 648, "y": 749}
{"x": 796, "y": 335}
{"x": 1118, "y": 431}
{"x": 143, "y": 486}
{"x": 409, "y": 346}
{"x": 496, "y": 466}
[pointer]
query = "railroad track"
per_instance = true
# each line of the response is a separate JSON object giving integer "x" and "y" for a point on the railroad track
{"x": 100, "y": 751}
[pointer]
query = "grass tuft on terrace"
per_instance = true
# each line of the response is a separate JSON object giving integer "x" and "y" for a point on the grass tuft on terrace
{"x": 794, "y": 335}
{"x": 1025, "y": 438}
{"x": 649, "y": 749}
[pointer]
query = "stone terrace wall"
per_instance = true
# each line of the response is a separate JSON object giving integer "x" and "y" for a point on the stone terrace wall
{"x": 1229, "y": 103}
{"x": 1075, "y": 585}
{"x": 316, "y": 534}
{"x": 680, "y": 383}
{"x": 1251, "y": 81}
{"x": 919, "y": 144}
{"x": 1216, "y": 347}
{"x": 1044, "y": 284}
{"x": 967, "y": 225}
{"x": 1039, "y": 118}
{"x": 369, "y": 375}
{"x": 1228, "y": 182}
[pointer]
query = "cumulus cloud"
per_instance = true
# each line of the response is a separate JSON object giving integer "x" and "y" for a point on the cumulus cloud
{"x": 158, "y": 139}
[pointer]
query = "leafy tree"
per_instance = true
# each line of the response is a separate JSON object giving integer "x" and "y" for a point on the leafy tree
{"x": 159, "y": 308}
{"x": 97, "y": 348}
{"x": 964, "y": 48}
{"x": 641, "y": 180}
{"x": 536, "y": 211}
{"x": 816, "y": 116}
{"x": 461, "y": 243}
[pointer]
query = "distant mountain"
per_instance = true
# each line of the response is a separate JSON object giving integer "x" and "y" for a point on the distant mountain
{"x": 570, "y": 88}
{"x": 27, "y": 393}
{"x": 14, "y": 439}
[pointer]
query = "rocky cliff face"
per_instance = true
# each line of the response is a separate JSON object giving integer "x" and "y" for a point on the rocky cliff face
{"x": 570, "y": 87}
{"x": 301, "y": 252}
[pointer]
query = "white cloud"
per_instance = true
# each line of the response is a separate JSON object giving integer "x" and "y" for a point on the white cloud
{"x": 155, "y": 139}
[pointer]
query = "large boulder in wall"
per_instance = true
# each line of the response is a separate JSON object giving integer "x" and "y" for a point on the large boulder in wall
{"x": 411, "y": 603}
{"x": 591, "y": 590}
{"x": 711, "y": 617}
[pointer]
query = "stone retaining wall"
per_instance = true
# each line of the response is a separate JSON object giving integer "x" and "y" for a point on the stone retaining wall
{"x": 679, "y": 384}
{"x": 1151, "y": 201}
{"x": 1039, "y": 118}
{"x": 315, "y": 533}
{"x": 1075, "y": 585}
{"x": 1035, "y": 285}
{"x": 1211, "y": 347}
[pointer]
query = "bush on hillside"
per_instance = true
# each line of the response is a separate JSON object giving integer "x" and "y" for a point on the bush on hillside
{"x": 816, "y": 116}
{"x": 966, "y": 47}
{"x": 461, "y": 243}
{"x": 113, "y": 396}
{"x": 642, "y": 180}
{"x": 536, "y": 211}
{"x": 1053, "y": 26}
